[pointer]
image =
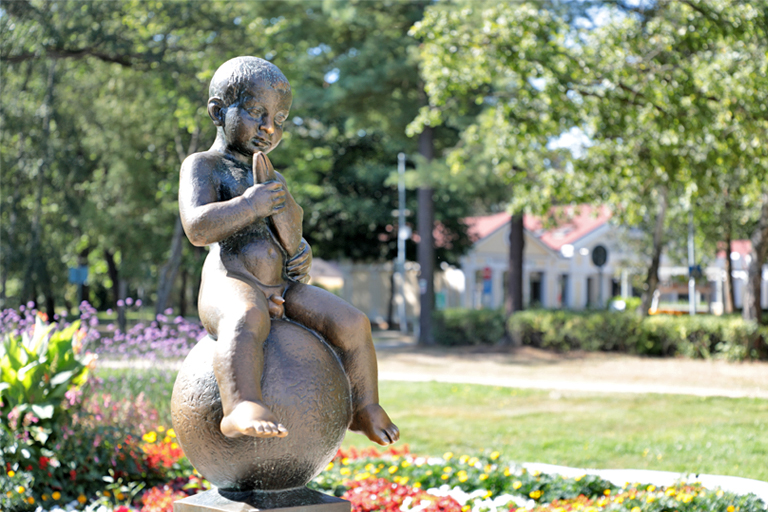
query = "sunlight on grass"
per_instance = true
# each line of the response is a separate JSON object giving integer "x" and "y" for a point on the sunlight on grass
{"x": 658, "y": 432}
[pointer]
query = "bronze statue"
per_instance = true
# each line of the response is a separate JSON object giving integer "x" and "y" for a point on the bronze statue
{"x": 254, "y": 290}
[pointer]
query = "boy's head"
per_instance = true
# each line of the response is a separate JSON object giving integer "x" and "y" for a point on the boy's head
{"x": 234, "y": 77}
{"x": 249, "y": 102}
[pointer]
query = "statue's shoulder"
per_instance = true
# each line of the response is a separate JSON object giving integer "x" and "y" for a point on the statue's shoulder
{"x": 201, "y": 164}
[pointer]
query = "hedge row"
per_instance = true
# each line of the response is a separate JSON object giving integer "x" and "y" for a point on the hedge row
{"x": 701, "y": 336}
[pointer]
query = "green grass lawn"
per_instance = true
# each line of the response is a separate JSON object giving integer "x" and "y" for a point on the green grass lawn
{"x": 659, "y": 432}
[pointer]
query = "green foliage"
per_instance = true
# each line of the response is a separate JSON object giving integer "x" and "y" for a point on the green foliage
{"x": 701, "y": 336}
{"x": 469, "y": 326}
{"x": 36, "y": 370}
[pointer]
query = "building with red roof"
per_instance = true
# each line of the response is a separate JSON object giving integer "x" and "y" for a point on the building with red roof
{"x": 558, "y": 267}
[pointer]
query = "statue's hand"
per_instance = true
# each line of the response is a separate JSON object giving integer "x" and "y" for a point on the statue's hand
{"x": 266, "y": 199}
{"x": 298, "y": 266}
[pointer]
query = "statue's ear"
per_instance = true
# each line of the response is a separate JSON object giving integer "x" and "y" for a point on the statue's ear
{"x": 216, "y": 111}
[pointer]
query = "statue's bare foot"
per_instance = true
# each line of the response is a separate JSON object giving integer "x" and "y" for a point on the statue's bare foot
{"x": 373, "y": 422}
{"x": 252, "y": 419}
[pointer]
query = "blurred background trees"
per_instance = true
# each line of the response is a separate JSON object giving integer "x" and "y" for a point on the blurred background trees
{"x": 653, "y": 108}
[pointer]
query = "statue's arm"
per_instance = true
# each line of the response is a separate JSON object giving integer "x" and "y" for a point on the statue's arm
{"x": 206, "y": 220}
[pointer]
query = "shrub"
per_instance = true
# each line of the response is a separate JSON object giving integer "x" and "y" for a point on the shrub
{"x": 700, "y": 336}
{"x": 469, "y": 326}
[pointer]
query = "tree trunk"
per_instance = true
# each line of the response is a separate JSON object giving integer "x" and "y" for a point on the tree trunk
{"x": 170, "y": 269}
{"x": 652, "y": 281}
{"x": 113, "y": 274}
{"x": 752, "y": 309}
{"x": 426, "y": 248}
{"x": 183, "y": 293}
{"x": 513, "y": 301}
{"x": 728, "y": 299}
{"x": 36, "y": 270}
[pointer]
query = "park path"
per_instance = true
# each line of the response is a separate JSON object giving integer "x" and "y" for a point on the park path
{"x": 401, "y": 359}
{"x": 525, "y": 367}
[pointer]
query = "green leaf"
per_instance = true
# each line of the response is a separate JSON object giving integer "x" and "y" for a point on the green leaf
{"x": 61, "y": 378}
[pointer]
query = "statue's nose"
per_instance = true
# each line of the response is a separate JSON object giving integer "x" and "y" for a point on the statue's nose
{"x": 267, "y": 125}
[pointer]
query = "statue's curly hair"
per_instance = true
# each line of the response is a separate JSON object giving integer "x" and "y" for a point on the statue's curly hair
{"x": 233, "y": 77}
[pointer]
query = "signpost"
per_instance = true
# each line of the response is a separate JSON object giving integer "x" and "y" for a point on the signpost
{"x": 600, "y": 258}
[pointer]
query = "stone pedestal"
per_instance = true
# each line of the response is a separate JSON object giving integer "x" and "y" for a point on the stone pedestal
{"x": 290, "y": 500}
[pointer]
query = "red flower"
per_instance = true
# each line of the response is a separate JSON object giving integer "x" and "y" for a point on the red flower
{"x": 73, "y": 475}
{"x": 43, "y": 462}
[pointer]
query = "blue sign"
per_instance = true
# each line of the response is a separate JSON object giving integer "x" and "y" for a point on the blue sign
{"x": 487, "y": 286}
{"x": 78, "y": 275}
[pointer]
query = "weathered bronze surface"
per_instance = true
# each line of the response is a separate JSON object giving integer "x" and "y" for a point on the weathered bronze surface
{"x": 262, "y": 403}
{"x": 295, "y": 500}
{"x": 303, "y": 384}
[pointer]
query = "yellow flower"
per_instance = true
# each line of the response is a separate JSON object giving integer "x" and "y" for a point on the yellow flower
{"x": 445, "y": 476}
{"x": 404, "y": 480}
{"x": 345, "y": 461}
{"x": 730, "y": 508}
{"x": 462, "y": 476}
{"x": 150, "y": 437}
{"x": 670, "y": 492}
{"x": 536, "y": 473}
{"x": 167, "y": 439}
{"x": 650, "y": 488}
{"x": 483, "y": 477}
{"x": 620, "y": 500}
{"x": 392, "y": 469}
{"x": 495, "y": 455}
{"x": 31, "y": 500}
{"x": 82, "y": 499}
{"x": 448, "y": 455}
{"x": 329, "y": 466}
{"x": 650, "y": 499}
{"x": 44, "y": 497}
{"x": 56, "y": 495}
{"x": 463, "y": 459}
{"x": 719, "y": 493}
{"x": 517, "y": 484}
{"x": 429, "y": 472}
{"x": 362, "y": 476}
{"x": 370, "y": 467}
{"x": 20, "y": 489}
{"x": 507, "y": 471}
{"x": 578, "y": 478}
{"x": 11, "y": 474}
{"x": 405, "y": 463}
{"x": 119, "y": 496}
{"x": 636, "y": 509}
{"x": 160, "y": 428}
{"x": 535, "y": 494}
{"x": 487, "y": 468}
{"x": 9, "y": 494}
{"x": 687, "y": 498}
{"x": 487, "y": 495}
{"x": 345, "y": 471}
{"x": 417, "y": 485}
{"x": 174, "y": 445}
{"x": 466, "y": 508}
{"x": 171, "y": 432}
{"x": 607, "y": 492}
{"x": 472, "y": 461}
{"x": 447, "y": 469}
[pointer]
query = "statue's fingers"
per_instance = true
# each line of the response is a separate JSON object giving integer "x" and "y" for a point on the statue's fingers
{"x": 281, "y": 430}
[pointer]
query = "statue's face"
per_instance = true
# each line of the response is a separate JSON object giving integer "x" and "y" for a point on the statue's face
{"x": 256, "y": 122}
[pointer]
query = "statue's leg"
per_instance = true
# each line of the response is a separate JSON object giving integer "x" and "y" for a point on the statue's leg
{"x": 236, "y": 315}
{"x": 349, "y": 330}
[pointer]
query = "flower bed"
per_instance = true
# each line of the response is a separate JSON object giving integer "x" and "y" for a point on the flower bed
{"x": 400, "y": 481}
{"x": 66, "y": 445}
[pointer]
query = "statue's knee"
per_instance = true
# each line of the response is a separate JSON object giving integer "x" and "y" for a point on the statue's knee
{"x": 354, "y": 322}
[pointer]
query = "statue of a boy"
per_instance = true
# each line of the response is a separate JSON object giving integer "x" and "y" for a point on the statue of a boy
{"x": 231, "y": 198}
